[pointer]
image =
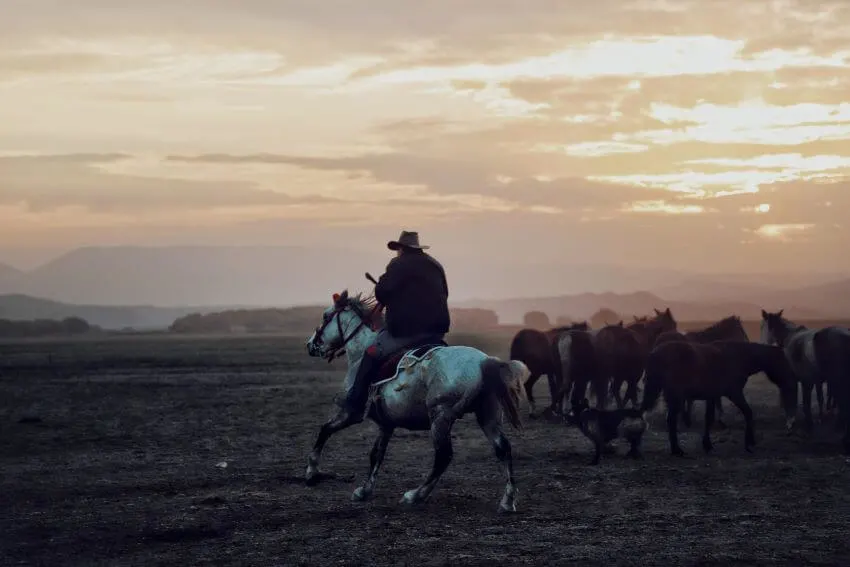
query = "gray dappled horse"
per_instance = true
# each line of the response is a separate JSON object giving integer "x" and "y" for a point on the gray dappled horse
{"x": 427, "y": 393}
{"x": 817, "y": 356}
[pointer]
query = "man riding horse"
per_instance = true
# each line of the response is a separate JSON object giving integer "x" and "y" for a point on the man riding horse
{"x": 414, "y": 293}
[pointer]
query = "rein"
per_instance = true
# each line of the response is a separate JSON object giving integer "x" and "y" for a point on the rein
{"x": 340, "y": 350}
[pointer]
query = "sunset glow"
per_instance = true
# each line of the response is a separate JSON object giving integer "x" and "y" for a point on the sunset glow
{"x": 618, "y": 120}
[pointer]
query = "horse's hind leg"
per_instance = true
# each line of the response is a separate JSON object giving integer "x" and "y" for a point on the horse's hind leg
{"x": 488, "y": 419}
{"x": 632, "y": 392}
{"x": 749, "y": 434}
{"x": 376, "y": 458}
{"x": 819, "y": 393}
{"x": 673, "y": 408}
{"x": 616, "y": 391}
{"x": 340, "y": 421}
{"x": 529, "y": 393}
{"x": 687, "y": 415}
{"x": 442, "y": 420}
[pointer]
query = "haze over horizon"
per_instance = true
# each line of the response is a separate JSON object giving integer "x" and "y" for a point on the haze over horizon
{"x": 693, "y": 136}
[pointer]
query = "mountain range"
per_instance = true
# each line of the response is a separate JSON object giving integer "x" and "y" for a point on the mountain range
{"x": 149, "y": 287}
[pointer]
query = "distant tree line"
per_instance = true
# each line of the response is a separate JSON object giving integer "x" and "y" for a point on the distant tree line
{"x": 300, "y": 320}
{"x": 45, "y": 327}
{"x": 540, "y": 320}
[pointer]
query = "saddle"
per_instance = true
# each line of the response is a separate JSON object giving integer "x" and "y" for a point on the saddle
{"x": 391, "y": 366}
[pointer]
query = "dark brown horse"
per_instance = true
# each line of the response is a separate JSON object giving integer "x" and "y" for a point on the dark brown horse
{"x": 650, "y": 329}
{"x": 611, "y": 356}
{"x": 683, "y": 370}
{"x": 728, "y": 329}
{"x": 538, "y": 350}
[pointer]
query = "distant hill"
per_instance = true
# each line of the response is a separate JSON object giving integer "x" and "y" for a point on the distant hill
{"x": 178, "y": 276}
{"x": 9, "y": 273}
{"x": 582, "y": 306}
{"x": 291, "y": 275}
{"x": 830, "y": 298}
{"x": 141, "y": 317}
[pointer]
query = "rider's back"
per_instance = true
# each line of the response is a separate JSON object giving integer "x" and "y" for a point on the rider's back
{"x": 415, "y": 293}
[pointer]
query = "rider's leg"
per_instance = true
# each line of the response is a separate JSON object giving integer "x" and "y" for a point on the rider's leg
{"x": 358, "y": 394}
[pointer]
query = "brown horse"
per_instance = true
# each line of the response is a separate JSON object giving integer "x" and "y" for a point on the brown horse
{"x": 685, "y": 370}
{"x": 650, "y": 329}
{"x": 538, "y": 350}
{"x": 611, "y": 355}
{"x": 728, "y": 329}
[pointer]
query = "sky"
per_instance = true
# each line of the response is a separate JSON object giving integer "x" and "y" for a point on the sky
{"x": 710, "y": 135}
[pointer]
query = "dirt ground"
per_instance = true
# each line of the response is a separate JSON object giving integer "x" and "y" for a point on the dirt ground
{"x": 111, "y": 453}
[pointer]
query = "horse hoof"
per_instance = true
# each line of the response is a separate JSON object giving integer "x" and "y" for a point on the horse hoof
{"x": 678, "y": 453}
{"x": 360, "y": 494}
{"x": 507, "y": 508}
{"x": 409, "y": 498}
{"x": 312, "y": 478}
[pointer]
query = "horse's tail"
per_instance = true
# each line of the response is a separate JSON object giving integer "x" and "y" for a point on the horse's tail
{"x": 504, "y": 380}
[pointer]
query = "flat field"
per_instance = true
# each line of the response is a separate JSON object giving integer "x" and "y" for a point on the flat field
{"x": 112, "y": 452}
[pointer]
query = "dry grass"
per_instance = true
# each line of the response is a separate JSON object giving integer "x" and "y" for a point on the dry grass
{"x": 108, "y": 452}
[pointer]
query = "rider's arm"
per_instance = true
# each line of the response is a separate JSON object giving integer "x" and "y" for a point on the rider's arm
{"x": 390, "y": 281}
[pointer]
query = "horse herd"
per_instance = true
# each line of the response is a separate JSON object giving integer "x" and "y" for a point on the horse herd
{"x": 429, "y": 388}
{"x": 707, "y": 364}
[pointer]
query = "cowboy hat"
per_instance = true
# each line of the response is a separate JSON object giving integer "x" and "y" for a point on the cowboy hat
{"x": 406, "y": 240}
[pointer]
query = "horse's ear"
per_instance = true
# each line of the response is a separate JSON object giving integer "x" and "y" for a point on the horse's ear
{"x": 344, "y": 295}
{"x": 667, "y": 312}
{"x": 763, "y": 314}
{"x": 779, "y": 313}
{"x": 657, "y": 312}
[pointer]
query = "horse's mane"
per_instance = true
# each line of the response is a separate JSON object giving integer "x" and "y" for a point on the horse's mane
{"x": 733, "y": 322}
{"x": 364, "y": 305}
{"x": 578, "y": 326}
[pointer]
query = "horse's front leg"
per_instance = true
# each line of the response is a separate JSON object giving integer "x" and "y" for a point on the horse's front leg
{"x": 340, "y": 421}
{"x": 749, "y": 434}
{"x": 709, "y": 420}
{"x": 807, "y": 406}
{"x": 376, "y": 458}
{"x": 442, "y": 421}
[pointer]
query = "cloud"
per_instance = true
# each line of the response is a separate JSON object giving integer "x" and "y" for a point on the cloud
{"x": 459, "y": 177}
{"x": 44, "y": 183}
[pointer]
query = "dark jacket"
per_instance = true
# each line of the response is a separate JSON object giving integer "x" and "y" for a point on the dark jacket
{"x": 415, "y": 293}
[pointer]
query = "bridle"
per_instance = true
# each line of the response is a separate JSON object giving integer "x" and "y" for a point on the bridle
{"x": 337, "y": 351}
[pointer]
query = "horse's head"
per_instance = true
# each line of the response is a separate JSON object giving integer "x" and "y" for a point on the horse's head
{"x": 772, "y": 327}
{"x": 341, "y": 322}
{"x": 664, "y": 320}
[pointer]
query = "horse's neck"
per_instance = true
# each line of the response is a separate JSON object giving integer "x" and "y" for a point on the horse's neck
{"x": 773, "y": 363}
{"x": 358, "y": 344}
{"x": 789, "y": 331}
